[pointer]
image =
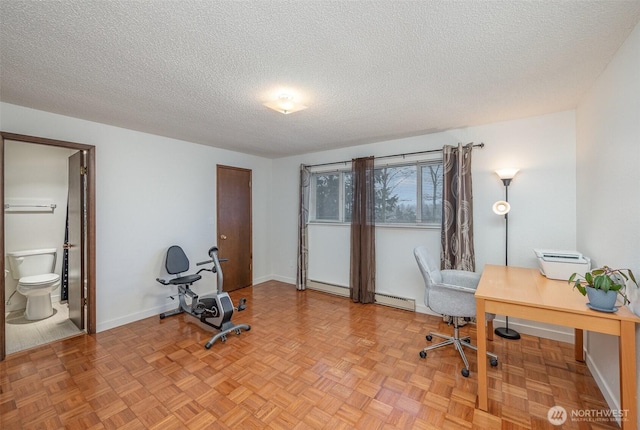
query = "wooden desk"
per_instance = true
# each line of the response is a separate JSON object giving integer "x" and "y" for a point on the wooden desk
{"x": 525, "y": 293}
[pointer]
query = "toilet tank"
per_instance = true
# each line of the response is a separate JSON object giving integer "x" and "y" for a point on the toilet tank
{"x": 32, "y": 262}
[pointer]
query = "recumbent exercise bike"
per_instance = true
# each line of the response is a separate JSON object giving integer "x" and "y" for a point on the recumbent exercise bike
{"x": 215, "y": 311}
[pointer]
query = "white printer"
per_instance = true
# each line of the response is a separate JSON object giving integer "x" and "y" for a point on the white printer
{"x": 555, "y": 264}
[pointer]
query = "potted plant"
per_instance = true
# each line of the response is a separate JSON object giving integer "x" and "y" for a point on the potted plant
{"x": 602, "y": 286}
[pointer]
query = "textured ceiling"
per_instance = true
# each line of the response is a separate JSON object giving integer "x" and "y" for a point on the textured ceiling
{"x": 369, "y": 71}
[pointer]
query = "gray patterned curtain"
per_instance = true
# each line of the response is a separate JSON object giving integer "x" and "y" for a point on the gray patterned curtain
{"x": 303, "y": 218}
{"x": 457, "y": 209}
{"x": 362, "y": 282}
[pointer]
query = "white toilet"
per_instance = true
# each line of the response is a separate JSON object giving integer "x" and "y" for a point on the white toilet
{"x": 33, "y": 270}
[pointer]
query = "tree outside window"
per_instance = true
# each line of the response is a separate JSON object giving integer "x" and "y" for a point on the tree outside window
{"x": 348, "y": 196}
{"x": 327, "y": 195}
{"x": 432, "y": 193}
{"x": 404, "y": 194}
{"x": 395, "y": 189}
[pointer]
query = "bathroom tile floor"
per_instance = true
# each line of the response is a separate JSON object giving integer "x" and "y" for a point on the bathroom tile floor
{"x": 22, "y": 334}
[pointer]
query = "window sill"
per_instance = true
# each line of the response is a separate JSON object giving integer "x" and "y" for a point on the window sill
{"x": 385, "y": 226}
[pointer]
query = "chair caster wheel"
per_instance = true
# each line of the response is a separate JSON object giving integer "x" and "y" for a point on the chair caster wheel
{"x": 423, "y": 354}
{"x": 493, "y": 362}
{"x": 207, "y": 345}
{"x": 429, "y": 337}
{"x": 162, "y": 316}
{"x": 223, "y": 338}
{"x": 466, "y": 340}
{"x": 465, "y": 373}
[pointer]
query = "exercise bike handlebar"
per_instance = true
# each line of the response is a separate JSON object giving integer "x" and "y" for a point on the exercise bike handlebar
{"x": 204, "y": 262}
{"x": 222, "y": 260}
{"x": 213, "y": 253}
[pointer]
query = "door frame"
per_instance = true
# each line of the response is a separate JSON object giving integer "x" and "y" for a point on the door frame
{"x": 90, "y": 150}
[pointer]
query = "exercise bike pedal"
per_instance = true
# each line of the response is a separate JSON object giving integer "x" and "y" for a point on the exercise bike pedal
{"x": 242, "y": 304}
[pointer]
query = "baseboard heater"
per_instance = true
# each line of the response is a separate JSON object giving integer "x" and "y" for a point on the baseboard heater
{"x": 381, "y": 299}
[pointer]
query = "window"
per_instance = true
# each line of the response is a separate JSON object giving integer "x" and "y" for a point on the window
{"x": 405, "y": 194}
{"x": 327, "y": 194}
{"x": 431, "y": 193}
{"x": 396, "y": 194}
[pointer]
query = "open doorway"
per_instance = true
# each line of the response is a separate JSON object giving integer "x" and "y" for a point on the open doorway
{"x": 78, "y": 249}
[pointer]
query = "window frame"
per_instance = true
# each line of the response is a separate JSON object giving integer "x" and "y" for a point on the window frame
{"x": 313, "y": 201}
{"x": 418, "y": 164}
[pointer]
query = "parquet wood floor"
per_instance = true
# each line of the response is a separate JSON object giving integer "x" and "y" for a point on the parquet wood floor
{"x": 310, "y": 361}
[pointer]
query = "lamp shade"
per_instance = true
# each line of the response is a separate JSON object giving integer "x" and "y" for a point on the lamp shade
{"x": 507, "y": 173}
{"x": 501, "y": 207}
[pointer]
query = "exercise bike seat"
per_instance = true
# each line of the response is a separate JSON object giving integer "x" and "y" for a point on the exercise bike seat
{"x": 178, "y": 263}
{"x": 187, "y": 279}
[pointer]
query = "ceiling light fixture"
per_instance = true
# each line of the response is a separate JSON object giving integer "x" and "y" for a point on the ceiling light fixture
{"x": 285, "y": 104}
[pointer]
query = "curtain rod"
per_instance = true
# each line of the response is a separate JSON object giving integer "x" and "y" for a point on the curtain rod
{"x": 477, "y": 145}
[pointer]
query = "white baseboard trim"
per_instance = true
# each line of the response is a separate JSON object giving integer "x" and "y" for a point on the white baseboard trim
{"x": 380, "y": 298}
{"x": 425, "y": 310}
{"x": 117, "y": 322}
{"x": 279, "y": 278}
{"x": 548, "y": 332}
{"x": 338, "y": 290}
{"x": 610, "y": 397}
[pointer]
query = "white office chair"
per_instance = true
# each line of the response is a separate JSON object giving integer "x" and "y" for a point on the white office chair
{"x": 451, "y": 292}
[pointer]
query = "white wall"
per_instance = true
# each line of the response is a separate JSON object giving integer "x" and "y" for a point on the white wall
{"x": 34, "y": 174}
{"x": 608, "y": 198}
{"x": 154, "y": 191}
{"x": 542, "y": 197}
{"x": 151, "y": 192}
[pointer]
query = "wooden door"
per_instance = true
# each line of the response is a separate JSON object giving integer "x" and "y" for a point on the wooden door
{"x": 75, "y": 244}
{"x": 234, "y": 226}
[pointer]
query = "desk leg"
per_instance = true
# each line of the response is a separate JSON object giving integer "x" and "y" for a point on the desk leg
{"x": 628, "y": 374}
{"x": 483, "y": 391}
{"x": 578, "y": 344}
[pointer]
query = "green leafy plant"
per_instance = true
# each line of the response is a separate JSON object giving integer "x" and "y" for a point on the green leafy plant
{"x": 605, "y": 279}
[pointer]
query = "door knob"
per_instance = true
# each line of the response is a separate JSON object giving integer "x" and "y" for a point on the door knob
{"x": 66, "y": 246}
{"x": 223, "y": 237}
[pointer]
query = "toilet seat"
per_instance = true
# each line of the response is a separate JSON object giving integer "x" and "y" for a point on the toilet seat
{"x": 39, "y": 280}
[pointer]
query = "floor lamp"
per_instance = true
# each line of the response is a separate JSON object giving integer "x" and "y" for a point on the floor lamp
{"x": 503, "y": 207}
